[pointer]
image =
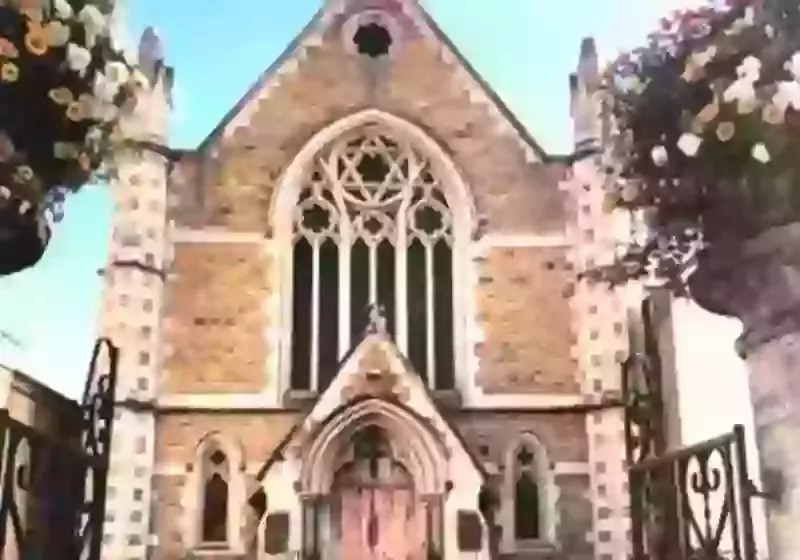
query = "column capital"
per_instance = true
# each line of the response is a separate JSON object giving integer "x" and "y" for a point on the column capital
{"x": 309, "y": 499}
{"x": 431, "y": 498}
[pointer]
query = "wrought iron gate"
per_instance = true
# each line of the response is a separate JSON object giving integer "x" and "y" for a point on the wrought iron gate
{"x": 692, "y": 503}
{"x": 54, "y": 478}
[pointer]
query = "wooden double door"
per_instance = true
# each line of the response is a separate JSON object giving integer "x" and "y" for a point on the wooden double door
{"x": 376, "y": 513}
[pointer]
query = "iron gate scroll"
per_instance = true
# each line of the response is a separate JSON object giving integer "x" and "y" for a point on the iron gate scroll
{"x": 692, "y": 503}
{"x": 54, "y": 479}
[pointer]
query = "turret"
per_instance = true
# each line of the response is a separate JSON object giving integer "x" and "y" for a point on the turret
{"x": 133, "y": 296}
{"x": 585, "y": 98}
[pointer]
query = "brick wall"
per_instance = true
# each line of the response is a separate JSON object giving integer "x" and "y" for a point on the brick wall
{"x": 257, "y": 435}
{"x": 523, "y": 307}
{"x": 490, "y": 435}
{"x": 215, "y": 319}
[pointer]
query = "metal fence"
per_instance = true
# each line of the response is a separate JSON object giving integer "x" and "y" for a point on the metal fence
{"x": 53, "y": 481}
{"x": 693, "y": 503}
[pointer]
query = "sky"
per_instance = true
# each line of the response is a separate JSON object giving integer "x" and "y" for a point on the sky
{"x": 524, "y": 48}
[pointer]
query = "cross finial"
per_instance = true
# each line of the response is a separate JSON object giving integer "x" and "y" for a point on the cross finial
{"x": 377, "y": 319}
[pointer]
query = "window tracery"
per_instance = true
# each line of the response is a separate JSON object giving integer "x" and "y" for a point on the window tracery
{"x": 527, "y": 502}
{"x": 528, "y": 496}
{"x": 371, "y": 225}
{"x": 216, "y": 472}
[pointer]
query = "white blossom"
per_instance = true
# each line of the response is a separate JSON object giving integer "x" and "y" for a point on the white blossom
{"x": 104, "y": 88}
{"x": 659, "y": 155}
{"x": 58, "y": 34}
{"x": 632, "y": 84}
{"x": 739, "y": 90}
{"x": 749, "y": 69}
{"x": 793, "y": 66}
{"x": 788, "y": 95}
{"x": 725, "y": 131}
{"x": 94, "y": 22}
{"x": 78, "y": 58}
{"x": 760, "y": 153}
{"x": 689, "y": 143}
{"x": 117, "y": 72}
{"x": 63, "y": 9}
{"x": 743, "y": 89}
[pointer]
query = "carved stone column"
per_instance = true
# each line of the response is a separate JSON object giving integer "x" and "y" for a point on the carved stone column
{"x": 310, "y": 526}
{"x": 434, "y": 522}
{"x": 758, "y": 282}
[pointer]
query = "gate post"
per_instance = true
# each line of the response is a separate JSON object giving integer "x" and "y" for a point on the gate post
{"x": 98, "y": 416}
{"x": 746, "y": 491}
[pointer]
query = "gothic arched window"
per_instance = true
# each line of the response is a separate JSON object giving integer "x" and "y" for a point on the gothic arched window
{"x": 215, "y": 496}
{"x": 371, "y": 226}
{"x": 527, "y": 503}
{"x": 527, "y": 498}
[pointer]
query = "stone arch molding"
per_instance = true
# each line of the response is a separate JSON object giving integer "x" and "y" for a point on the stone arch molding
{"x": 456, "y": 190}
{"x": 193, "y": 491}
{"x": 233, "y": 448}
{"x": 549, "y": 492}
{"x": 424, "y": 452}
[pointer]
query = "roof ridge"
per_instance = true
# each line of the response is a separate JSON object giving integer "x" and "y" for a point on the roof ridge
{"x": 534, "y": 151}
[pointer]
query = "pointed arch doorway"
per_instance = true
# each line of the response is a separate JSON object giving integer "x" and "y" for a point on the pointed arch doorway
{"x": 374, "y": 484}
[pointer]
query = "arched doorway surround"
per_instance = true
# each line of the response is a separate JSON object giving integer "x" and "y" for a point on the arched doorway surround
{"x": 373, "y": 479}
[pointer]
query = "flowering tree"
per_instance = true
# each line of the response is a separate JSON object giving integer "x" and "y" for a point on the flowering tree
{"x": 708, "y": 115}
{"x": 705, "y": 151}
{"x": 63, "y": 84}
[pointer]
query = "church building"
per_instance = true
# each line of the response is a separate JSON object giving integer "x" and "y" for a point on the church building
{"x": 351, "y": 321}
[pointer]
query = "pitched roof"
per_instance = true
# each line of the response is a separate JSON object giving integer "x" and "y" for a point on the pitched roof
{"x": 317, "y": 23}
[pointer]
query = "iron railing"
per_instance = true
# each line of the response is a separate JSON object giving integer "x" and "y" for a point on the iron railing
{"x": 694, "y": 503}
{"x": 53, "y": 478}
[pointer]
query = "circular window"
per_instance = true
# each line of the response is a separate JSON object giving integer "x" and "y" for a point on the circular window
{"x": 372, "y": 40}
{"x": 371, "y": 34}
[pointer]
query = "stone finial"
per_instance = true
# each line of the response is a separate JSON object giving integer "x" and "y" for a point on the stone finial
{"x": 588, "y": 48}
{"x": 377, "y": 319}
{"x": 584, "y": 107}
{"x": 588, "y": 63}
{"x": 151, "y": 55}
{"x": 151, "y": 49}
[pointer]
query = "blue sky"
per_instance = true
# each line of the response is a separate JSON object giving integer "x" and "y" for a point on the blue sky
{"x": 524, "y": 48}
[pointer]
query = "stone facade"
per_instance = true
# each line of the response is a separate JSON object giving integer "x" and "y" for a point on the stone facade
{"x": 204, "y": 317}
